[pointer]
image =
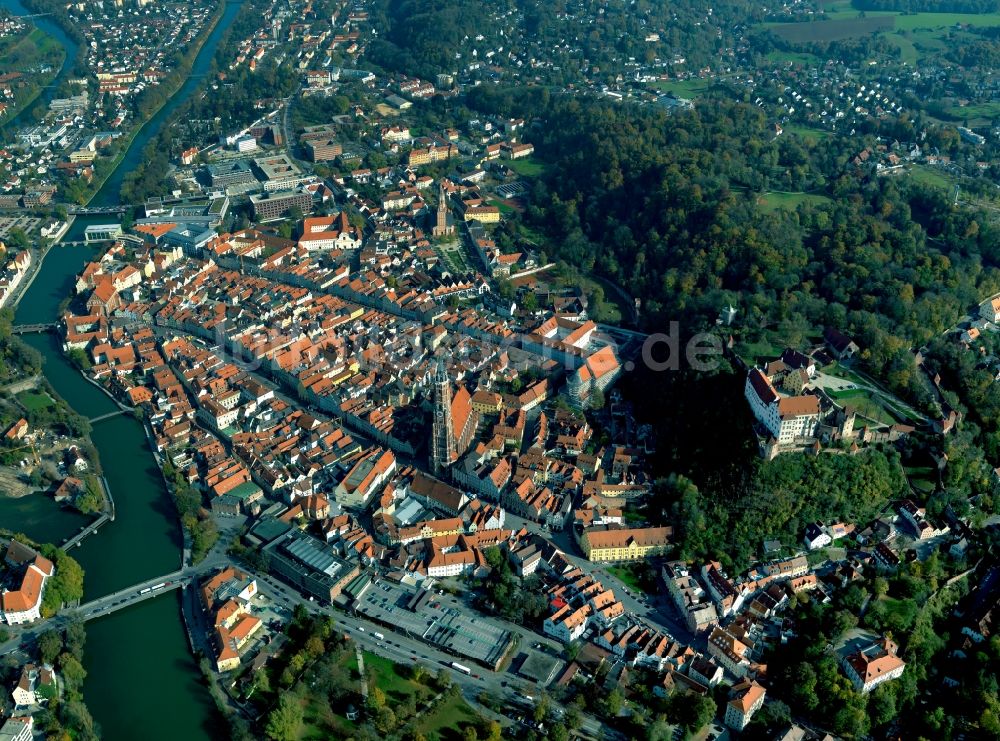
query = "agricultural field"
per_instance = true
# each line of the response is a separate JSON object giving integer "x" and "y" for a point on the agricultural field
{"x": 981, "y": 111}
{"x": 916, "y": 34}
{"x": 834, "y": 30}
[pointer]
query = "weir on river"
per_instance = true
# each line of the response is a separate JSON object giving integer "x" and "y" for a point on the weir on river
{"x": 139, "y": 666}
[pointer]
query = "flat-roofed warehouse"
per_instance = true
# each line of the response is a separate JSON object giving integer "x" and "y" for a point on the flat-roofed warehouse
{"x": 310, "y": 565}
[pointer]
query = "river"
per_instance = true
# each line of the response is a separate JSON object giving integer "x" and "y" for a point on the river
{"x": 141, "y": 677}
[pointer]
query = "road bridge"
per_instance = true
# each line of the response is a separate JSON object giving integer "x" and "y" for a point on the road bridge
{"x": 132, "y": 595}
{"x": 92, "y": 210}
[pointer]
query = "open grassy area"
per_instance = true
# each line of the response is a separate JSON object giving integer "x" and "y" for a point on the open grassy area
{"x": 806, "y": 132}
{"x": 865, "y": 404}
{"x": 907, "y": 49}
{"x": 35, "y": 400}
{"x": 753, "y": 352}
{"x": 638, "y": 577}
{"x": 683, "y": 88}
{"x": 384, "y": 675}
{"x": 527, "y": 167}
{"x": 932, "y": 176}
{"x": 831, "y": 30}
{"x": 989, "y": 110}
{"x": 935, "y": 21}
{"x": 446, "y": 720}
{"x": 918, "y": 31}
{"x": 790, "y": 201}
{"x": 505, "y": 209}
{"x": 921, "y": 478}
{"x": 19, "y": 53}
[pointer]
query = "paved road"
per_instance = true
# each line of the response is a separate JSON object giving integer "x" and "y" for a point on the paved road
{"x": 111, "y": 603}
{"x": 407, "y": 651}
{"x": 656, "y": 610}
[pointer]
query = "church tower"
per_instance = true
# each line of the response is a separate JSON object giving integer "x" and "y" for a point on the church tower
{"x": 443, "y": 436}
{"x": 441, "y": 226}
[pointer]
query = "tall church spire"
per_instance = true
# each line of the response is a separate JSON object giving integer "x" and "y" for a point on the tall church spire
{"x": 443, "y": 435}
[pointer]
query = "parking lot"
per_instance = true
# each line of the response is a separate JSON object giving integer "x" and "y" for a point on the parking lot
{"x": 27, "y": 224}
{"x": 450, "y": 629}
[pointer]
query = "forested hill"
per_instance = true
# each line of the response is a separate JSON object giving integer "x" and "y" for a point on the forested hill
{"x": 557, "y": 41}
{"x": 668, "y": 205}
{"x": 422, "y": 37}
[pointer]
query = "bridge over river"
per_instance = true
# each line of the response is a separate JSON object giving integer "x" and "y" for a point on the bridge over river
{"x": 32, "y": 328}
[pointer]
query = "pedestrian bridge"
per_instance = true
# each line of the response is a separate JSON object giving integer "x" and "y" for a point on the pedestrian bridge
{"x": 32, "y": 328}
{"x": 109, "y": 415}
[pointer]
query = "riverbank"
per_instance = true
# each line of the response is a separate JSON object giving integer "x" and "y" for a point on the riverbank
{"x": 146, "y": 538}
{"x": 42, "y": 44}
{"x": 184, "y": 71}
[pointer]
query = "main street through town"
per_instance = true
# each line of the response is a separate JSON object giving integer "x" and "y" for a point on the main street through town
{"x": 394, "y": 645}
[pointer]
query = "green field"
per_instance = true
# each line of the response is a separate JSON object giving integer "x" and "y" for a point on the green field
{"x": 790, "y": 201}
{"x": 832, "y": 30}
{"x": 922, "y": 478}
{"x": 932, "y": 176}
{"x": 864, "y": 403}
{"x": 528, "y": 167}
{"x": 754, "y": 352}
{"x": 683, "y": 88}
{"x": 444, "y": 721}
{"x": 918, "y": 32}
{"x": 505, "y": 210}
{"x": 907, "y": 50}
{"x": 35, "y": 400}
{"x": 806, "y": 131}
{"x": 448, "y": 715}
{"x": 934, "y": 21}
{"x": 21, "y": 52}
{"x": 383, "y": 674}
{"x": 639, "y": 578}
{"x": 979, "y": 110}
